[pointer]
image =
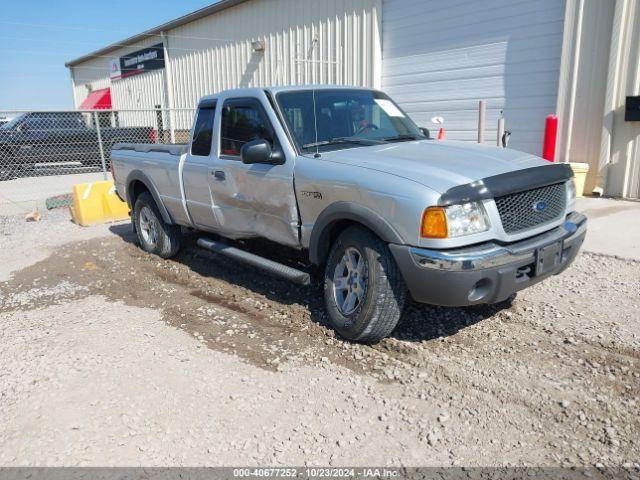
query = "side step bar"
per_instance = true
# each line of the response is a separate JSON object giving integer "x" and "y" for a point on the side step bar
{"x": 275, "y": 268}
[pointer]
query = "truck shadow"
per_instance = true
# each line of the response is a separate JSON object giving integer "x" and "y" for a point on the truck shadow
{"x": 428, "y": 322}
{"x": 419, "y": 322}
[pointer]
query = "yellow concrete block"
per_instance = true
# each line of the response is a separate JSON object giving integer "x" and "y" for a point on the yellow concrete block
{"x": 580, "y": 171}
{"x": 114, "y": 208}
{"x": 97, "y": 203}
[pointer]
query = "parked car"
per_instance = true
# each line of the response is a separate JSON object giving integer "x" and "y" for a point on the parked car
{"x": 345, "y": 175}
{"x": 36, "y": 138}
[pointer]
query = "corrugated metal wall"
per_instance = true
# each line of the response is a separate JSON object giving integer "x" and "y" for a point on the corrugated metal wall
{"x": 620, "y": 148}
{"x": 306, "y": 41}
{"x": 590, "y": 86}
{"x": 441, "y": 58}
{"x": 90, "y": 75}
{"x": 136, "y": 92}
{"x": 604, "y": 38}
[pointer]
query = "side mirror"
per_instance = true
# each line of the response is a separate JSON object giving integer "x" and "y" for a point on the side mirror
{"x": 260, "y": 151}
{"x": 425, "y": 131}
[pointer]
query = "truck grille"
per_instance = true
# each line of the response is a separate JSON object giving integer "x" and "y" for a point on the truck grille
{"x": 532, "y": 208}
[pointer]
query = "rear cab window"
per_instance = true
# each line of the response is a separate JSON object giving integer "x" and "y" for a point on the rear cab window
{"x": 203, "y": 132}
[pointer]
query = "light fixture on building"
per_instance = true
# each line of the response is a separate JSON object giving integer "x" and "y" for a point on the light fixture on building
{"x": 257, "y": 46}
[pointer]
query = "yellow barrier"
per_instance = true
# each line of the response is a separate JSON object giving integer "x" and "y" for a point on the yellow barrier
{"x": 97, "y": 202}
{"x": 580, "y": 171}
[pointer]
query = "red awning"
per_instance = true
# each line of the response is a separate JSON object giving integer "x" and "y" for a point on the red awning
{"x": 97, "y": 100}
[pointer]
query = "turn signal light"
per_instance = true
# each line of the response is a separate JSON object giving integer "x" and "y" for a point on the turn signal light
{"x": 434, "y": 223}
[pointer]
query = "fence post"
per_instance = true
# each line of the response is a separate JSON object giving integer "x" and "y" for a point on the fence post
{"x": 160, "y": 123}
{"x": 172, "y": 128}
{"x": 100, "y": 146}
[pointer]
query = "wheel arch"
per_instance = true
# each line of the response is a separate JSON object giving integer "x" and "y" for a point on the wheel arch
{"x": 338, "y": 216}
{"x": 138, "y": 182}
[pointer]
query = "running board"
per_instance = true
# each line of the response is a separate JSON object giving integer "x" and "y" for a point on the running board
{"x": 275, "y": 268}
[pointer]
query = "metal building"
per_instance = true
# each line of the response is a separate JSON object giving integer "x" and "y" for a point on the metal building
{"x": 240, "y": 43}
{"x": 577, "y": 58}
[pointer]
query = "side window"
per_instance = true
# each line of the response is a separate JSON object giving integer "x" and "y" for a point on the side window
{"x": 241, "y": 124}
{"x": 203, "y": 132}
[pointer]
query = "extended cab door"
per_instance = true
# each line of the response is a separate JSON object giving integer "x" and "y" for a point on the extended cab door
{"x": 258, "y": 199}
{"x": 195, "y": 173}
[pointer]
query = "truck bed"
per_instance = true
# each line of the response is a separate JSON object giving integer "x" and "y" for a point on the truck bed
{"x": 161, "y": 164}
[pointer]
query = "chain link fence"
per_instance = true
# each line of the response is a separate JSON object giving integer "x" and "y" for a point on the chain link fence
{"x": 37, "y": 143}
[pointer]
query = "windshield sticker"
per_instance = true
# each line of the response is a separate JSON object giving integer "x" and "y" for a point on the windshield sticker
{"x": 389, "y": 108}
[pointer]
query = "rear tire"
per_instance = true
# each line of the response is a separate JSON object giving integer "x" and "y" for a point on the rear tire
{"x": 154, "y": 234}
{"x": 364, "y": 293}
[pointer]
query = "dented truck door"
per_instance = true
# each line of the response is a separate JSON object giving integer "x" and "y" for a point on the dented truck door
{"x": 257, "y": 199}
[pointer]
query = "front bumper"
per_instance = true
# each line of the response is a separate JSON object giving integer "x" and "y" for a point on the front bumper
{"x": 489, "y": 272}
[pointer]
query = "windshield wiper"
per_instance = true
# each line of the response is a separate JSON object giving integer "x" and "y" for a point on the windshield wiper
{"x": 339, "y": 140}
{"x": 404, "y": 137}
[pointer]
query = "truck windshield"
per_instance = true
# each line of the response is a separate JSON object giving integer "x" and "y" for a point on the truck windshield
{"x": 331, "y": 119}
{"x": 11, "y": 124}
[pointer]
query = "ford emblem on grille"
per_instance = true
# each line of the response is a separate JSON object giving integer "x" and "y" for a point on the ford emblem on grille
{"x": 539, "y": 206}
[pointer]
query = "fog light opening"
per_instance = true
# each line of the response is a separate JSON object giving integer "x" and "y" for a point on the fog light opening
{"x": 480, "y": 290}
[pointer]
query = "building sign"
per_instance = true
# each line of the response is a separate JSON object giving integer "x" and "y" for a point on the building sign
{"x": 145, "y": 60}
{"x": 114, "y": 69}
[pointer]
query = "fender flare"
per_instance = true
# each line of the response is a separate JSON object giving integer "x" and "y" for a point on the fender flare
{"x": 319, "y": 241}
{"x": 140, "y": 176}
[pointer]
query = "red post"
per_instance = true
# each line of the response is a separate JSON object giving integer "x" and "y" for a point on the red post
{"x": 550, "y": 137}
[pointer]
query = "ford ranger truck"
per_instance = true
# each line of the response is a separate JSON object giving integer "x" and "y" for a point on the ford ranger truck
{"x": 346, "y": 176}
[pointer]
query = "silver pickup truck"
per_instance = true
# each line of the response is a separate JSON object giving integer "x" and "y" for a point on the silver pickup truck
{"x": 345, "y": 175}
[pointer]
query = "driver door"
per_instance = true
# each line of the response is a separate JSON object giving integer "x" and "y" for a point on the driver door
{"x": 254, "y": 200}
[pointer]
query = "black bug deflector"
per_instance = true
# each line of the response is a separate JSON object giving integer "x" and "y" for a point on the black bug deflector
{"x": 507, "y": 183}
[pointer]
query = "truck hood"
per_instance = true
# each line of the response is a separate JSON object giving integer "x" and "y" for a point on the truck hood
{"x": 438, "y": 165}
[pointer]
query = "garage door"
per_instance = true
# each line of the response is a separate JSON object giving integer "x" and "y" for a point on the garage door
{"x": 440, "y": 58}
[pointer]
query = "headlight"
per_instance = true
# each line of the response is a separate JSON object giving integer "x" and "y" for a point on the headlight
{"x": 454, "y": 221}
{"x": 571, "y": 192}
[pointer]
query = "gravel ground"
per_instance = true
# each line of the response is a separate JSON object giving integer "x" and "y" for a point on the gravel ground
{"x": 114, "y": 357}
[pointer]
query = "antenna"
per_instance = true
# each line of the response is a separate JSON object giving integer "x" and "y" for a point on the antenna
{"x": 315, "y": 122}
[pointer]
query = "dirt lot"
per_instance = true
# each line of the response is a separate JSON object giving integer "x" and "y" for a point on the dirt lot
{"x": 113, "y": 357}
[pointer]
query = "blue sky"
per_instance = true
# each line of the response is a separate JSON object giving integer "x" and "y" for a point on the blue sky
{"x": 37, "y": 37}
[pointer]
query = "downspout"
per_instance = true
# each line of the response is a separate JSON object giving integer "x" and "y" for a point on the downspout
{"x": 376, "y": 48}
{"x": 574, "y": 81}
{"x": 611, "y": 94}
{"x": 168, "y": 85}
{"x": 630, "y": 186}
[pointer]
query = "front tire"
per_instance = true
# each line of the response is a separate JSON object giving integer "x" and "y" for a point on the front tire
{"x": 154, "y": 234}
{"x": 364, "y": 292}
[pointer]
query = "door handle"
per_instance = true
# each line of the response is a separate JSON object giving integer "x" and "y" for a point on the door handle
{"x": 219, "y": 175}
